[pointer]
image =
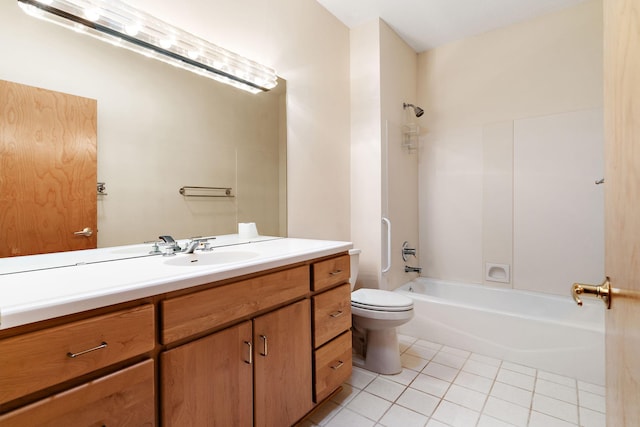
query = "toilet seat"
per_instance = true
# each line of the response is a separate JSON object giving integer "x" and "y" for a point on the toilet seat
{"x": 380, "y": 300}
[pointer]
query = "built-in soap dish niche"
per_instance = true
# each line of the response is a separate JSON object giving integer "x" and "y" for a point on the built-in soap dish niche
{"x": 497, "y": 272}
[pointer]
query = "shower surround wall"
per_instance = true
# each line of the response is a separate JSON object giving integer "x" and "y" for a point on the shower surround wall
{"x": 513, "y": 147}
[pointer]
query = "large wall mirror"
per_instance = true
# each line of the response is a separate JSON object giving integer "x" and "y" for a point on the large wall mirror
{"x": 159, "y": 129}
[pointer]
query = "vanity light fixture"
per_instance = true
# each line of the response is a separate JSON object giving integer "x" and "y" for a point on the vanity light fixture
{"x": 122, "y": 25}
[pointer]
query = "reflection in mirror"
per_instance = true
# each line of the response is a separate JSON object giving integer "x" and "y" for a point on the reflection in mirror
{"x": 160, "y": 129}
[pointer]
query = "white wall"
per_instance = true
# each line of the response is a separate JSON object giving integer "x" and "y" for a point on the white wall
{"x": 500, "y": 109}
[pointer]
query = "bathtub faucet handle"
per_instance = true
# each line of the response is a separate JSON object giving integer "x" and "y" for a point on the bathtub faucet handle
{"x": 407, "y": 251}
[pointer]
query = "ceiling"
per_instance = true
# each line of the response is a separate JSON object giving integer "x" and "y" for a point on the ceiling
{"x": 425, "y": 24}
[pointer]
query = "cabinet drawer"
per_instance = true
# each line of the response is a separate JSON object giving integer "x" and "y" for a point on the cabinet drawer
{"x": 40, "y": 359}
{"x": 331, "y": 272}
{"x": 332, "y": 366}
{"x": 125, "y": 398}
{"x": 331, "y": 314}
{"x": 200, "y": 311}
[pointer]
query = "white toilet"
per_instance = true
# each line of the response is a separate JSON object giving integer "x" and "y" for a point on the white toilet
{"x": 376, "y": 314}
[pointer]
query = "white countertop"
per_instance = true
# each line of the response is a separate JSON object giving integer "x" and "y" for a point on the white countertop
{"x": 71, "y": 282}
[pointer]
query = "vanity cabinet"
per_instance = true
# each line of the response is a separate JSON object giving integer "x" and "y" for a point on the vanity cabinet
{"x": 124, "y": 398}
{"x": 210, "y": 309}
{"x": 44, "y": 358}
{"x": 330, "y": 272}
{"x": 213, "y": 380}
{"x": 331, "y": 325}
{"x": 262, "y": 350}
{"x": 51, "y": 356}
{"x": 283, "y": 373}
{"x": 209, "y": 381}
{"x": 257, "y": 372}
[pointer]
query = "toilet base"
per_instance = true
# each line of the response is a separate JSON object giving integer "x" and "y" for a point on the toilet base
{"x": 382, "y": 352}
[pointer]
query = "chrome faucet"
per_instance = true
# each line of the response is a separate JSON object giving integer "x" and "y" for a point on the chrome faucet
{"x": 171, "y": 243}
{"x": 195, "y": 242}
{"x": 191, "y": 246}
{"x": 408, "y": 269}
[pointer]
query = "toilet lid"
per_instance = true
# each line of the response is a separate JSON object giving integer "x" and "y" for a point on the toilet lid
{"x": 377, "y": 299}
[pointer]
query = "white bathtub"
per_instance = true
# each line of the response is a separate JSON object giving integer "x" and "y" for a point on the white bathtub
{"x": 544, "y": 331}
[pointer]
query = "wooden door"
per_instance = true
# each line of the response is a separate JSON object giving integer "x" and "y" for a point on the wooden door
{"x": 47, "y": 170}
{"x": 622, "y": 208}
{"x": 208, "y": 382}
{"x": 283, "y": 383}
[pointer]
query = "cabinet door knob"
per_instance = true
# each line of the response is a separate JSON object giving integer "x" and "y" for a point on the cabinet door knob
{"x": 337, "y": 313}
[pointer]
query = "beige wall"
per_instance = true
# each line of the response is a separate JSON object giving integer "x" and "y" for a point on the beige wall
{"x": 383, "y": 173}
{"x": 399, "y": 73}
{"x": 512, "y": 148}
{"x": 366, "y": 152}
{"x": 306, "y": 45}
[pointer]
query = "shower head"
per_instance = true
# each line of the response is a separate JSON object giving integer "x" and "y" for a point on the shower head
{"x": 419, "y": 111}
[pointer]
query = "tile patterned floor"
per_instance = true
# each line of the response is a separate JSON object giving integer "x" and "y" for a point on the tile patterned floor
{"x": 441, "y": 386}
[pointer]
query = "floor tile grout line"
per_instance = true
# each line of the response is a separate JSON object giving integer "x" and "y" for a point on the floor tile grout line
{"x": 493, "y": 383}
{"x": 459, "y": 368}
{"x": 533, "y": 396}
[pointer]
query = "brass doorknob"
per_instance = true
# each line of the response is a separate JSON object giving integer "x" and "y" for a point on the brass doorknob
{"x": 604, "y": 291}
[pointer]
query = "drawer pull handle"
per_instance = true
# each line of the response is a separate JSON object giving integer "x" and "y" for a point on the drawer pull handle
{"x": 335, "y": 273}
{"x": 80, "y": 353}
{"x": 338, "y": 366}
{"x": 250, "y": 361}
{"x": 264, "y": 346}
{"x": 337, "y": 313}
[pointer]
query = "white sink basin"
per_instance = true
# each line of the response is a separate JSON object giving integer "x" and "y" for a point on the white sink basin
{"x": 210, "y": 258}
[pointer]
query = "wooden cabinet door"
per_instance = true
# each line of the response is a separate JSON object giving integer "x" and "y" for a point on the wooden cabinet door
{"x": 208, "y": 382}
{"x": 283, "y": 383}
{"x": 48, "y": 170}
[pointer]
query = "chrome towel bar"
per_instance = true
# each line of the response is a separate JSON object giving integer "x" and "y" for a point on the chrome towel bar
{"x": 191, "y": 191}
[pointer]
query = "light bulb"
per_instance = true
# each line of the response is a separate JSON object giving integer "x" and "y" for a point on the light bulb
{"x": 92, "y": 14}
{"x": 133, "y": 28}
{"x": 167, "y": 42}
{"x": 194, "y": 53}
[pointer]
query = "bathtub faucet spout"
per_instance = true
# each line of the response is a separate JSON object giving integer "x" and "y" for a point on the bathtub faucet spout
{"x": 408, "y": 269}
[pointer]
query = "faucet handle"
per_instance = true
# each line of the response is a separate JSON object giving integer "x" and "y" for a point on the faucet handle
{"x": 167, "y": 239}
{"x": 170, "y": 243}
{"x": 407, "y": 251}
